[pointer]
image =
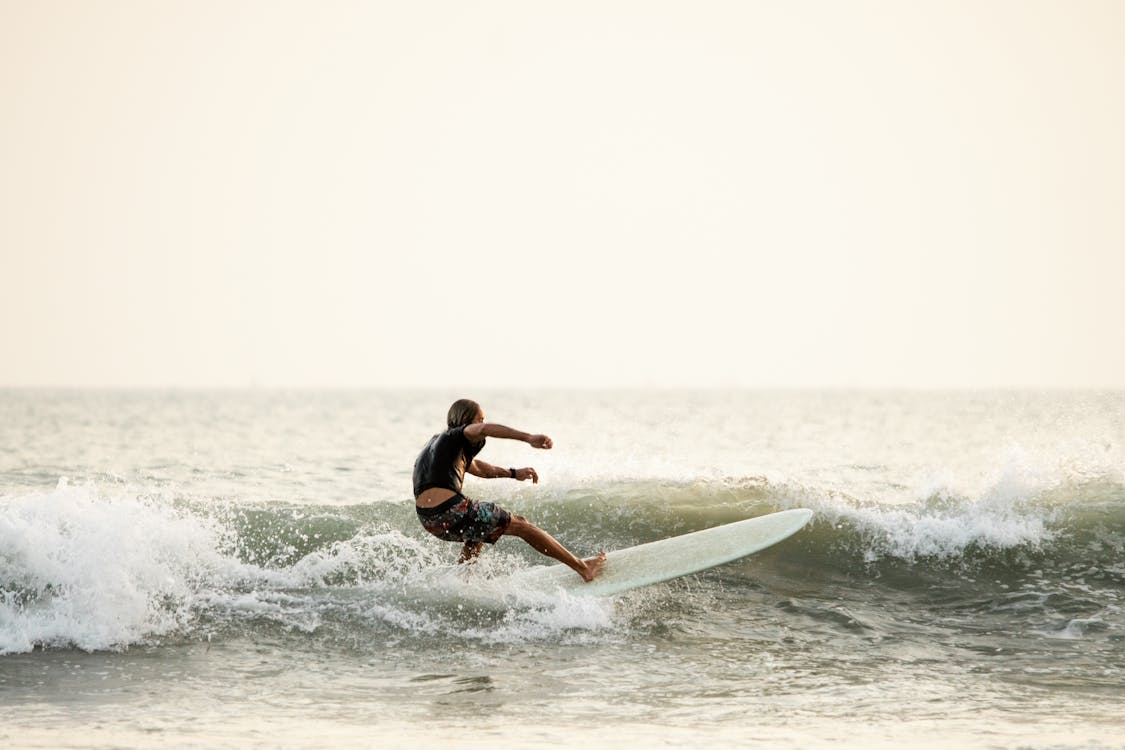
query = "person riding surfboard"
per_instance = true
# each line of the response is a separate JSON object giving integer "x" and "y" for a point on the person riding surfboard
{"x": 445, "y": 512}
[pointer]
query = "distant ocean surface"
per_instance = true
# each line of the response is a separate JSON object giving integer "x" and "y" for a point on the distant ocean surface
{"x": 244, "y": 568}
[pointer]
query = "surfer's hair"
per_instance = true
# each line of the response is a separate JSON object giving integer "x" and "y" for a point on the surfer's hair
{"x": 463, "y": 412}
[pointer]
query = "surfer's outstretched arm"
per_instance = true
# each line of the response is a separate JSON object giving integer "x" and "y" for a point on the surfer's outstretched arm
{"x": 478, "y": 430}
{"x": 548, "y": 545}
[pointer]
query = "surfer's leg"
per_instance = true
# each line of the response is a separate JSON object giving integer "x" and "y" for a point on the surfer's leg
{"x": 470, "y": 551}
{"x": 549, "y": 546}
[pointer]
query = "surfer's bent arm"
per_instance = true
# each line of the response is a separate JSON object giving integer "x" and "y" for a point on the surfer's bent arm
{"x": 488, "y": 471}
{"x": 479, "y": 430}
{"x": 479, "y": 468}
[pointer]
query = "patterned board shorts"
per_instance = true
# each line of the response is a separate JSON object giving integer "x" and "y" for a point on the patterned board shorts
{"x": 460, "y": 519}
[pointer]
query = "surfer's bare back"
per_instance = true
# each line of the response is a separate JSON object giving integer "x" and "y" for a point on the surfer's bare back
{"x": 439, "y": 472}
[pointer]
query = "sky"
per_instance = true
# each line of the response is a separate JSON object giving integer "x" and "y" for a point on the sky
{"x": 548, "y": 194}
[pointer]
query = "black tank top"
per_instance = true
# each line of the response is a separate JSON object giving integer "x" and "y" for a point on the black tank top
{"x": 443, "y": 461}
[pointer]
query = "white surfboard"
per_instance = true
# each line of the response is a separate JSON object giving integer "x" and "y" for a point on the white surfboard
{"x": 659, "y": 561}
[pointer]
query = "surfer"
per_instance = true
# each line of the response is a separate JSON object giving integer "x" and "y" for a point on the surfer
{"x": 447, "y": 514}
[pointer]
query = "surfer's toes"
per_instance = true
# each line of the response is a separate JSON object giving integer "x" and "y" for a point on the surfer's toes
{"x": 594, "y": 566}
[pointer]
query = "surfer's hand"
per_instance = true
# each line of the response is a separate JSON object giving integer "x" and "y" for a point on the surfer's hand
{"x": 523, "y": 475}
{"x": 540, "y": 441}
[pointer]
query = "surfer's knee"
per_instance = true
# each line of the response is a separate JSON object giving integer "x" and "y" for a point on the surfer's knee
{"x": 519, "y": 526}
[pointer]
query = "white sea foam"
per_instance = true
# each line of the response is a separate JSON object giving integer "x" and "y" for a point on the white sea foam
{"x": 100, "y": 572}
{"x": 371, "y": 555}
{"x": 106, "y": 571}
{"x": 1008, "y": 510}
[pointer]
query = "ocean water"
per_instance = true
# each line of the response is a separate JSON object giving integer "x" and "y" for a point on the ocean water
{"x": 244, "y": 568}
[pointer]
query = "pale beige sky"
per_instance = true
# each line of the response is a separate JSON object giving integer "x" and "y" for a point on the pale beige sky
{"x": 921, "y": 194}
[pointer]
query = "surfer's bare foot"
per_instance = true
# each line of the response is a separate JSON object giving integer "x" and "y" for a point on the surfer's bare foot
{"x": 470, "y": 552}
{"x": 592, "y": 566}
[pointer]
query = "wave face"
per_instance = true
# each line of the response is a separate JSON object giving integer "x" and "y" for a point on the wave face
{"x": 101, "y": 568}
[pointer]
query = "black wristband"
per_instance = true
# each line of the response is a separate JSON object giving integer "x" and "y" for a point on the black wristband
{"x": 512, "y": 472}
